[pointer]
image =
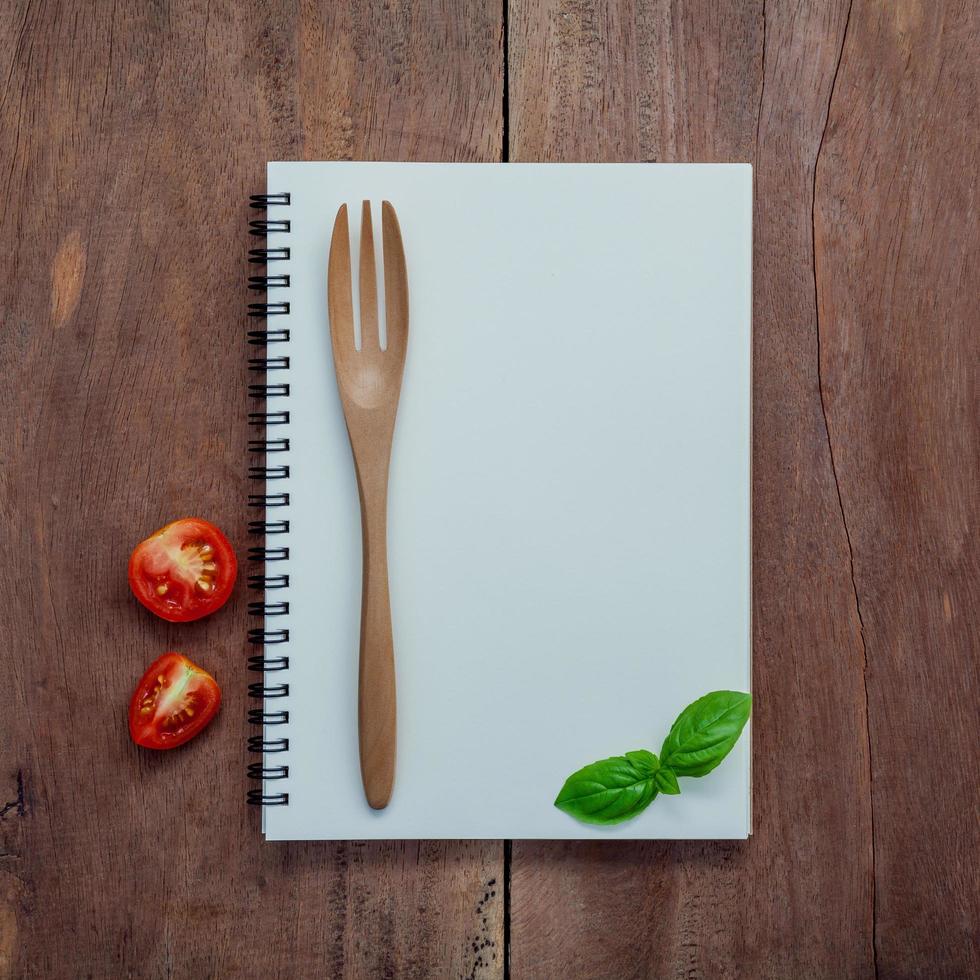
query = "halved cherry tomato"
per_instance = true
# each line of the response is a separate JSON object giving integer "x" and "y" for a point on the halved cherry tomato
{"x": 184, "y": 571}
{"x": 174, "y": 700}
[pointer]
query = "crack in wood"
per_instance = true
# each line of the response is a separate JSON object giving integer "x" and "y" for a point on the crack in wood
{"x": 17, "y": 803}
{"x": 762, "y": 87}
{"x": 840, "y": 498}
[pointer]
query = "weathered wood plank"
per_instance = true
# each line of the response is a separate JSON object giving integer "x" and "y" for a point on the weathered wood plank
{"x": 133, "y": 134}
{"x": 897, "y": 253}
{"x": 715, "y": 82}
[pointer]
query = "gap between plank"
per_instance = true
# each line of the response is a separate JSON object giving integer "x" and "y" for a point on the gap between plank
{"x": 505, "y": 101}
{"x": 762, "y": 91}
{"x": 508, "y": 852}
{"x": 505, "y": 158}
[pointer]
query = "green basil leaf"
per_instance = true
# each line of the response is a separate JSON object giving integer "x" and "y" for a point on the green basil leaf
{"x": 666, "y": 782}
{"x": 610, "y": 791}
{"x": 705, "y": 732}
{"x": 646, "y": 762}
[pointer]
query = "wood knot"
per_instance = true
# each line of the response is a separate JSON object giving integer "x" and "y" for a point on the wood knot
{"x": 67, "y": 273}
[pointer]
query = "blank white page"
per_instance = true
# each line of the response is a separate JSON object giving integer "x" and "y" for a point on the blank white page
{"x": 569, "y": 511}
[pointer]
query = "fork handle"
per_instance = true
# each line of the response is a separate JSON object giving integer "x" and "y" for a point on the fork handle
{"x": 376, "y": 675}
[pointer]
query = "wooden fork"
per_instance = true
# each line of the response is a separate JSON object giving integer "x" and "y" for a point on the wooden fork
{"x": 370, "y": 380}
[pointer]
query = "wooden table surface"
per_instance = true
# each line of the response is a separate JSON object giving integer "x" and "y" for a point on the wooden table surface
{"x": 133, "y": 133}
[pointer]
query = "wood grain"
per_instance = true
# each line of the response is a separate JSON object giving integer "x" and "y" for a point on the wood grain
{"x": 369, "y": 379}
{"x": 897, "y": 254}
{"x": 133, "y": 134}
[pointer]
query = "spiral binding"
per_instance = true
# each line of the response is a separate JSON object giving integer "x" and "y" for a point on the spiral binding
{"x": 268, "y": 609}
{"x": 268, "y": 665}
{"x": 263, "y": 256}
{"x": 268, "y": 554}
{"x": 265, "y": 500}
{"x": 268, "y": 446}
{"x": 269, "y": 391}
{"x": 267, "y": 282}
{"x": 262, "y": 338}
{"x": 268, "y": 637}
{"x": 268, "y": 472}
{"x": 262, "y": 226}
{"x": 259, "y": 743}
{"x": 262, "y": 690}
{"x": 267, "y": 582}
{"x": 268, "y": 527}
{"x": 267, "y": 309}
{"x": 266, "y": 363}
{"x": 259, "y": 716}
{"x": 259, "y": 201}
{"x": 258, "y": 771}
{"x": 268, "y": 418}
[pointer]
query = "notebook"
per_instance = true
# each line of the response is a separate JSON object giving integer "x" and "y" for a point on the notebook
{"x": 569, "y": 511}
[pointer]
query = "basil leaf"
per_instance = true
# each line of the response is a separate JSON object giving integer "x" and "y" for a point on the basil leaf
{"x": 705, "y": 732}
{"x": 610, "y": 791}
{"x": 645, "y": 762}
{"x": 666, "y": 782}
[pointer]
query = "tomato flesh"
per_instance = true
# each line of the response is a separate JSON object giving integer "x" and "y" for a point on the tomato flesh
{"x": 174, "y": 700}
{"x": 184, "y": 571}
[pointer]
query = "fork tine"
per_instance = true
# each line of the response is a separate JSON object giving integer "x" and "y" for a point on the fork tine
{"x": 339, "y": 302}
{"x": 368, "y": 283}
{"x": 396, "y": 280}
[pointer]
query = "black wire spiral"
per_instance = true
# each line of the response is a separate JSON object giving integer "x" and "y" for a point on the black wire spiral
{"x": 264, "y": 472}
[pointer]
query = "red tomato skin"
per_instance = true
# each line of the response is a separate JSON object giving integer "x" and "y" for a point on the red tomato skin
{"x": 204, "y": 692}
{"x": 190, "y": 604}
